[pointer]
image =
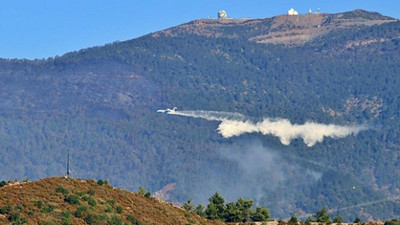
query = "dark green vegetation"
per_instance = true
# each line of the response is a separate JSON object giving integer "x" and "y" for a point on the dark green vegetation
{"x": 100, "y": 103}
{"x": 392, "y": 222}
{"x": 3, "y": 183}
{"x": 62, "y": 201}
{"x": 239, "y": 211}
{"x": 322, "y": 216}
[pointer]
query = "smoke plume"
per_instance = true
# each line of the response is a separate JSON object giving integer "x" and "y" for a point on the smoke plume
{"x": 236, "y": 124}
{"x": 249, "y": 169}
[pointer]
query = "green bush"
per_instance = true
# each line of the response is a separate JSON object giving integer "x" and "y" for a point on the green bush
{"x": 111, "y": 202}
{"x": 17, "y": 219}
{"x": 91, "y": 192}
{"x": 80, "y": 193}
{"x": 66, "y": 218}
{"x": 108, "y": 209}
{"x": 65, "y": 214}
{"x": 82, "y": 208}
{"x": 131, "y": 219}
{"x": 48, "y": 209}
{"x": 78, "y": 214}
{"x": 14, "y": 216}
{"x": 80, "y": 211}
{"x": 142, "y": 190}
{"x": 100, "y": 182}
{"x": 72, "y": 199}
{"x": 92, "y": 202}
{"x": 119, "y": 209}
{"x": 38, "y": 203}
{"x": 20, "y": 221}
{"x": 102, "y": 217}
{"x": 19, "y": 207}
{"x": 3, "y": 183}
{"x": 114, "y": 220}
{"x": 85, "y": 198}
{"x": 5, "y": 209}
{"x": 62, "y": 190}
{"x": 91, "y": 219}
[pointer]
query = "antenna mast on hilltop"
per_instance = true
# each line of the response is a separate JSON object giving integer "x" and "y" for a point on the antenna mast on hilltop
{"x": 67, "y": 175}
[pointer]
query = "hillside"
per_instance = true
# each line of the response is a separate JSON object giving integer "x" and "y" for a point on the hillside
{"x": 42, "y": 202}
{"x": 101, "y": 104}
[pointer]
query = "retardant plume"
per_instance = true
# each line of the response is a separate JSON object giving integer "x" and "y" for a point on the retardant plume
{"x": 236, "y": 124}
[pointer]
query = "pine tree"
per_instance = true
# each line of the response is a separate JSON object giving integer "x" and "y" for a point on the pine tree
{"x": 216, "y": 209}
{"x": 338, "y": 219}
{"x": 323, "y": 216}
{"x": 200, "y": 210}
{"x": 293, "y": 219}
{"x": 189, "y": 205}
{"x": 261, "y": 214}
{"x": 245, "y": 207}
{"x": 233, "y": 213}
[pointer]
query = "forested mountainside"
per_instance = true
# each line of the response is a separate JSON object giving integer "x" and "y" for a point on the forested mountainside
{"x": 100, "y": 104}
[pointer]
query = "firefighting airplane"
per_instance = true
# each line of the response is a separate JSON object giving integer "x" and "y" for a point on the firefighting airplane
{"x": 167, "y": 110}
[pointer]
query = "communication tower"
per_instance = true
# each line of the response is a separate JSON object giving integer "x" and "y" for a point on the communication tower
{"x": 68, "y": 171}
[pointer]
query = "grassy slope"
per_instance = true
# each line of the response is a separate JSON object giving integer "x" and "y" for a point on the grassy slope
{"x": 144, "y": 210}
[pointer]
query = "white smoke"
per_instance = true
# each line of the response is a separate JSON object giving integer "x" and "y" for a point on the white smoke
{"x": 236, "y": 124}
{"x": 310, "y": 132}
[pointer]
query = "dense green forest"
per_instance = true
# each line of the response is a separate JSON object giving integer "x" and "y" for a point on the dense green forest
{"x": 100, "y": 103}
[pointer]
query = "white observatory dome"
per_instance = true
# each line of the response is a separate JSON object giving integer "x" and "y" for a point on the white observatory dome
{"x": 292, "y": 12}
{"x": 222, "y": 14}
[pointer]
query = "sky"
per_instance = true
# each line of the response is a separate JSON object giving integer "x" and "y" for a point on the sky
{"x": 47, "y": 28}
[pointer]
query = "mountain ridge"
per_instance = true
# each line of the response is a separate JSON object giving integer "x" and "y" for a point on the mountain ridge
{"x": 283, "y": 29}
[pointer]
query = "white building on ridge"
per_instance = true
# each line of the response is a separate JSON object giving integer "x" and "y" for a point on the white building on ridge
{"x": 222, "y": 14}
{"x": 292, "y": 12}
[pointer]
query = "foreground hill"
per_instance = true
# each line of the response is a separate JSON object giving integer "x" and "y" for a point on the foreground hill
{"x": 49, "y": 201}
{"x": 100, "y": 103}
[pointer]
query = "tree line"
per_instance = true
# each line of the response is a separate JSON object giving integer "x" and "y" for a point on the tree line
{"x": 240, "y": 211}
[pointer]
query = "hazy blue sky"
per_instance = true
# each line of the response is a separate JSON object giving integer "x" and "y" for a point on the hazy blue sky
{"x": 45, "y": 28}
